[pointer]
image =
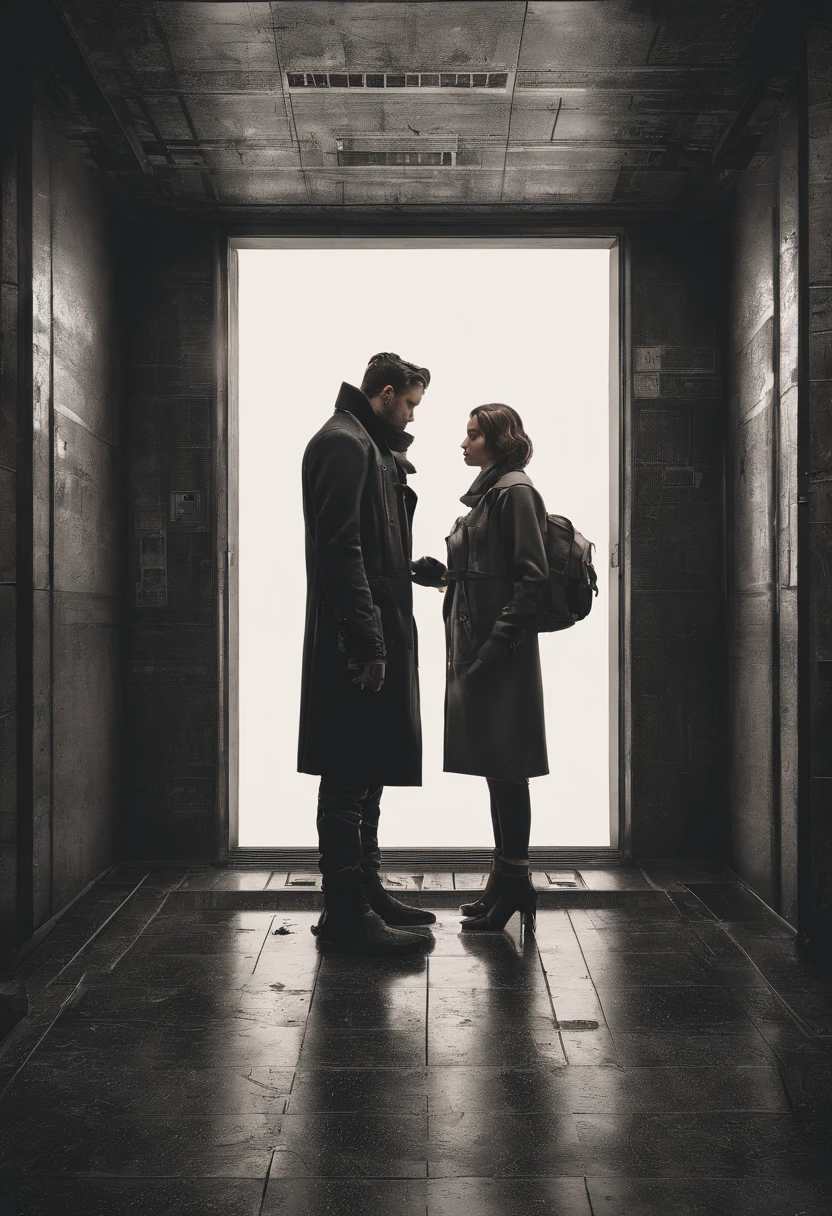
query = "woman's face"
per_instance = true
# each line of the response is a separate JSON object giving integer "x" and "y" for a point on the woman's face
{"x": 475, "y": 451}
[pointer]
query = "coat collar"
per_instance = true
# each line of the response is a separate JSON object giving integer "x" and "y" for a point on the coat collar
{"x": 353, "y": 401}
{"x": 485, "y": 480}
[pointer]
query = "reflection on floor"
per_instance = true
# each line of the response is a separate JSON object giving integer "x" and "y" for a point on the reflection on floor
{"x": 659, "y": 1053}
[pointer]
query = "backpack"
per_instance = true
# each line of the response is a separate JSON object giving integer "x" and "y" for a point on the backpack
{"x": 572, "y": 578}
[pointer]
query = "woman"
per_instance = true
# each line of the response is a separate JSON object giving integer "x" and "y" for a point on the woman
{"x": 497, "y": 576}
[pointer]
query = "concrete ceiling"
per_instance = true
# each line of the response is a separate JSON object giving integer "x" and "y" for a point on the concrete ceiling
{"x": 620, "y": 105}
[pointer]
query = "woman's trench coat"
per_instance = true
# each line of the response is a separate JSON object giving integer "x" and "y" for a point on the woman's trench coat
{"x": 494, "y": 722}
{"x": 358, "y": 511}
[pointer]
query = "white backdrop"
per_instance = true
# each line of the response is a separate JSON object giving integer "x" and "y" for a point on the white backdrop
{"x": 524, "y": 326}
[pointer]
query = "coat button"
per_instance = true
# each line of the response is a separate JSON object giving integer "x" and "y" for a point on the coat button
{"x": 463, "y": 616}
{"x": 384, "y": 468}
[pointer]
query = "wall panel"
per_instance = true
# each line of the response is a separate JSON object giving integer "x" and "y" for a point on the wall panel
{"x": 77, "y": 530}
{"x": 762, "y": 504}
{"x": 678, "y": 799}
{"x": 172, "y": 646}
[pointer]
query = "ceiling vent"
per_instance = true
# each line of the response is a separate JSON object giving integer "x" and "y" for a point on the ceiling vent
{"x": 397, "y": 151}
{"x": 397, "y": 80}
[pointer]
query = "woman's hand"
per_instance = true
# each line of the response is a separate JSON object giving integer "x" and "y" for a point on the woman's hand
{"x": 428, "y": 572}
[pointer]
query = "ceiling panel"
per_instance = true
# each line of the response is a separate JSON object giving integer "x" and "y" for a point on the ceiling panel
{"x": 325, "y": 116}
{"x": 595, "y": 33}
{"x": 622, "y": 104}
{"x": 217, "y": 37}
{"x": 234, "y": 116}
{"x": 256, "y": 189}
{"x": 360, "y": 37}
{"x": 416, "y": 189}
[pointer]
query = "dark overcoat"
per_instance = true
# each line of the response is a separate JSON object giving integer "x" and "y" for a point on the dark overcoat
{"x": 358, "y": 512}
{"x": 494, "y": 723}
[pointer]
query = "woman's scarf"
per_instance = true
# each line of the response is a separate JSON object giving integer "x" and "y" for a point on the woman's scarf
{"x": 485, "y": 480}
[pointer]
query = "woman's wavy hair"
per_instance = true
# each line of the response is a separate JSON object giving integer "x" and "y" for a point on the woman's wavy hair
{"x": 504, "y": 433}
{"x": 388, "y": 368}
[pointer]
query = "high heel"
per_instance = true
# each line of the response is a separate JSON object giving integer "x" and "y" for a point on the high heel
{"x": 513, "y": 895}
{"x": 486, "y": 900}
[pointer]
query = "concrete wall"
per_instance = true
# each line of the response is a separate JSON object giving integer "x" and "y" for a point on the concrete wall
{"x": 172, "y": 778}
{"x": 11, "y": 171}
{"x": 678, "y": 798}
{"x": 762, "y": 518}
{"x": 77, "y": 524}
{"x": 816, "y": 491}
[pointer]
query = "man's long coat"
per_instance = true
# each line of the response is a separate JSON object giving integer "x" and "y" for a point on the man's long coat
{"x": 358, "y": 512}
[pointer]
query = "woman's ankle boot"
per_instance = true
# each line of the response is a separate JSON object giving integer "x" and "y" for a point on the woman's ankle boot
{"x": 513, "y": 893}
{"x": 489, "y": 894}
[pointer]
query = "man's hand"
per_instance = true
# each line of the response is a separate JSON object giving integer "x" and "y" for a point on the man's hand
{"x": 371, "y": 675}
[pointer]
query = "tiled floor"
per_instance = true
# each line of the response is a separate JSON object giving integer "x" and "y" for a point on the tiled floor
{"x": 632, "y": 1058}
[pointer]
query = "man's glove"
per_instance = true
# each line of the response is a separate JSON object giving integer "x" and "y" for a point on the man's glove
{"x": 428, "y": 572}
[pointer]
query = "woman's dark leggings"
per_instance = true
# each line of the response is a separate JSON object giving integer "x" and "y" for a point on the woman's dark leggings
{"x": 511, "y": 817}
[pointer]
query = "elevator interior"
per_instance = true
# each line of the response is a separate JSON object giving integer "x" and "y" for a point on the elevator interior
{"x": 139, "y": 140}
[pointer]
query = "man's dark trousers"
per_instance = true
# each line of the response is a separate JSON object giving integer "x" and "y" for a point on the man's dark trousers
{"x": 348, "y": 815}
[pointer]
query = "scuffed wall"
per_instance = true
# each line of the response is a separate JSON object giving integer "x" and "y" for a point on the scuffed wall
{"x": 12, "y": 630}
{"x": 816, "y": 830}
{"x": 172, "y": 773}
{"x": 762, "y": 519}
{"x": 676, "y": 573}
{"x": 77, "y": 524}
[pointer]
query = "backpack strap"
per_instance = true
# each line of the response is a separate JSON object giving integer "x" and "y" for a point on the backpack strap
{"x": 515, "y": 478}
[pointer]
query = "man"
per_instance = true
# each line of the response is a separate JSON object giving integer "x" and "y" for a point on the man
{"x": 359, "y": 725}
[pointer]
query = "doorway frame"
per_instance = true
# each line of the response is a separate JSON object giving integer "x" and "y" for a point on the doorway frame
{"x": 524, "y": 230}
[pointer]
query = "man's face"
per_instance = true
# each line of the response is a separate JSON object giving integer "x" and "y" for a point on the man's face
{"x": 398, "y": 409}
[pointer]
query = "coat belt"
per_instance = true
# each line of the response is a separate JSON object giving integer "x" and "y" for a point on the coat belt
{"x": 459, "y": 576}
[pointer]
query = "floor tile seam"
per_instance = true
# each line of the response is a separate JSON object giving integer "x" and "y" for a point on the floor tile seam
{"x": 25, "y": 1025}
{"x": 501, "y": 1176}
{"x": 266, "y": 1182}
{"x": 263, "y": 943}
{"x": 538, "y": 1112}
{"x": 313, "y": 990}
{"x": 87, "y": 941}
{"x": 427, "y": 1011}
{"x": 799, "y": 1022}
{"x": 187, "y": 1024}
{"x": 178, "y": 1117}
{"x": 134, "y": 935}
{"x": 91, "y": 1176}
{"x": 595, "y": 990}
{"x": 555, "y": 1020}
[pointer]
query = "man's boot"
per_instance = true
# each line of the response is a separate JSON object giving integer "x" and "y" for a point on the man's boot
{"x": 348, "y": 924}
{"x": 390, "y": 909}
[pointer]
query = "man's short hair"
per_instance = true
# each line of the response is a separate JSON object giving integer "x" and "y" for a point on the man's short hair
{"x": 387, "y": 368}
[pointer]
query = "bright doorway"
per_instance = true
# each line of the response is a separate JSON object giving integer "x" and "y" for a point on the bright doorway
{"x": 530, "y": 322}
